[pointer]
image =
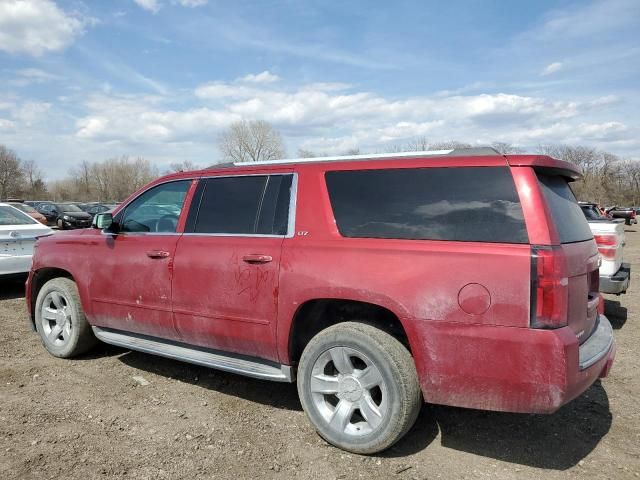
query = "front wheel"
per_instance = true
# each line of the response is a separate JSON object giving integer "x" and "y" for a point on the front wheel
{"x": 60, "y": 319}
{"x": 359, "y": 387}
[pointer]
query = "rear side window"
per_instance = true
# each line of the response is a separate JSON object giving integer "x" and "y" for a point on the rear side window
{"x": 472, "y": 204}
{"x": 248, "y": 205}
{"x": 567, "y": 215}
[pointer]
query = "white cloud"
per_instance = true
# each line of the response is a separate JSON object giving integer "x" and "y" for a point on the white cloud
{"x": 29, "y": 76}
{"x": 152, "y": 6}
{"x": 551, "y": 68}
{"x": 264, "y": 77}
{"x": 6, "y": 124}
{"x": 332, "y": 120}
{"x": 191, "y": 3}
{"x": 35, "y": 27}
{"x": 31, "y": 113}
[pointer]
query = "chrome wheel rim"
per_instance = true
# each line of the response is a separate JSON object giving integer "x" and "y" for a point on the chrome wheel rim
{"x": 56, "y": 318}
{"x": 348, "y": 391}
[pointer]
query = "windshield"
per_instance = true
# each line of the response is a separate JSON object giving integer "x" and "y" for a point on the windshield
{"x": 24, "y": 207}
{"x": 68, "y": 207}
{"x": 13, "y": 216}
{"x": 591, "y": 212}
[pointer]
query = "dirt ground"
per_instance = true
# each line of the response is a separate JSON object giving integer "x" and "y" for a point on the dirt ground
{"x": 90, "y": 418}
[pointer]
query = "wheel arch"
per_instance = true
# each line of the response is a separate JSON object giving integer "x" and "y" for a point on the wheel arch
{"x": 317, "y": 314}
{"x": 40, "y": 277}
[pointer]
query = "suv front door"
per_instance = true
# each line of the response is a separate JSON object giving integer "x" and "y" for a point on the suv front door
{"x": 225, "y": 284}
{"x": 130, "y": 286}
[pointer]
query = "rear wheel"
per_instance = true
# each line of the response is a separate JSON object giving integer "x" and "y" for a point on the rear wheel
{"x": 359, "y": 387}
{"x": 60, "y": 319}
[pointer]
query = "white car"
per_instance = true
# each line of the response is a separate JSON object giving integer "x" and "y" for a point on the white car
{"x": 18, "y": 235}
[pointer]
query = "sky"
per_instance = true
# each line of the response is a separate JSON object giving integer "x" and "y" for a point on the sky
{"x": 90, "y": 80}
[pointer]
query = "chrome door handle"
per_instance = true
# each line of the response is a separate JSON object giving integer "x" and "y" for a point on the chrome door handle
{"x": 257, "y": 258}
{"x": 157, "y": 254}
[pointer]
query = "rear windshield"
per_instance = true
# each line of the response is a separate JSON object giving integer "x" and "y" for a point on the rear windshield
{"x": 13, "y": 216}
{"x": 567, "y": 215}
{"x": 472, "y": 204}
{"x": 591, "y": 212}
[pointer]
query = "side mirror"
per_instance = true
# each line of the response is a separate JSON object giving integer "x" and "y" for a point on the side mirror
{"x": 104, "y": 221}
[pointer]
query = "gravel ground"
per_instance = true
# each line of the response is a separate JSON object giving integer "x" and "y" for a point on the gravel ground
{"x": 121, "y": 414}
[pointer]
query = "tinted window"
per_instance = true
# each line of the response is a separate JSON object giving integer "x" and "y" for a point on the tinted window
{"x": 244, "y": 205}
{"x": 465, "y": 204}
{"x": 274, "y": 214}
{"x": 156, "y": 210}
{"x": 230, "y": 205}
{"x": 567, "y": 215}
{"x": 591, "y": 212}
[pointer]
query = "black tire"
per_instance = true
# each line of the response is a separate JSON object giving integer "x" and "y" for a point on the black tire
{"x": 78, "y": 338}
{"x": 365, "y": 346}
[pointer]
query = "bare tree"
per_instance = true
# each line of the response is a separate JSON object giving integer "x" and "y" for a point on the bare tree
{"x": 11, "y": 174}
{"x": 505, "y": 148}
{"x": 184, "y": 166}
{"x": 302, "y": 153}
{"x": 35, "y": 186}
{"x": 418, "y": 144}
{"x": 448, "y": 145}
{"x": 251, "y": 141}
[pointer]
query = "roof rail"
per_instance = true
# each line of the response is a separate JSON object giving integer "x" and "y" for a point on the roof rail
{"x": 455, "y": 152}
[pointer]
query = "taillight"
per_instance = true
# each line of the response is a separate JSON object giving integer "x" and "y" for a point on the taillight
{"x": 607, "y": 245}
{"x": 549, "y": 287}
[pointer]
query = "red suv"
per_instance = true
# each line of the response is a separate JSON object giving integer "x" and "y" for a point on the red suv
{"x": 463, "y": 277}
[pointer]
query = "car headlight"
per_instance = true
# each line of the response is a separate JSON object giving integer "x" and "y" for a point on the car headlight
{"x": 66, "y": 217}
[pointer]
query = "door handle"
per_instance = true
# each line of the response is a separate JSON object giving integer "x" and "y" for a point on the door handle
{"x": 157, "y": 254}
{"x": 257, "y": 258}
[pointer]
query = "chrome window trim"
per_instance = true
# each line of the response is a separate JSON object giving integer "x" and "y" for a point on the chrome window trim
{"x": 292, "y": 208}
{"x": 293, "y": 203}
{"x": 124, "y": 207}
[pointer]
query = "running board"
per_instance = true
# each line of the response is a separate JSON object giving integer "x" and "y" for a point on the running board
{"x": 217, "y": 360}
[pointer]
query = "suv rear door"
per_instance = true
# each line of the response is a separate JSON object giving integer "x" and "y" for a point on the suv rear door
{"x": 225, "y": 284}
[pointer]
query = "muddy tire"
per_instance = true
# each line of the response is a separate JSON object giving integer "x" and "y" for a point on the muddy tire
{"x": 60, "y": 319}
{"x": 359, "y": 387}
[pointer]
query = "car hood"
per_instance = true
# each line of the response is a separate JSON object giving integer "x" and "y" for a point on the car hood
{"x": 78, "y": 215}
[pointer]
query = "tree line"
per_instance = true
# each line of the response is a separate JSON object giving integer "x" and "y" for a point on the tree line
{"x": 608, "y": 179}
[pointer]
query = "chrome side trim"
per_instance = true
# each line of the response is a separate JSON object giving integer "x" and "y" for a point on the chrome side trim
{"x": 598, "y": 344}
{"x": 219, "y": 360}
{"x": 293, "y": 205}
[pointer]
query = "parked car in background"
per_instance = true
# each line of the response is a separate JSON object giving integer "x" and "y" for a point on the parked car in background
{"x": 29, "y": 210}
{"x": 464, "y": 278}
{"x": 95, "y": 208}
{"x": 18, "y": 234}
{"x": 65, "y": 215}
{"x": 627, "y": 213}
{"x": 609, "y": 235}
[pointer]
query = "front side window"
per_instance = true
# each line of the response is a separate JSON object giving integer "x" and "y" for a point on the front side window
{"x": 244, "y": 205}
{"x": 473, "y": 204}
{"x": 157, "y": 210}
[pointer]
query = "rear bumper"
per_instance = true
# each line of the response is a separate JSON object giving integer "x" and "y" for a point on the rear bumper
{"x": 618, "y": 282}
{"x": 512, "y": 369}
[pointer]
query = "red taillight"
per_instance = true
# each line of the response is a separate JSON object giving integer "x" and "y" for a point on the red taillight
{"x": 549, "y": 287}
{"x": 607, "y": 245}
